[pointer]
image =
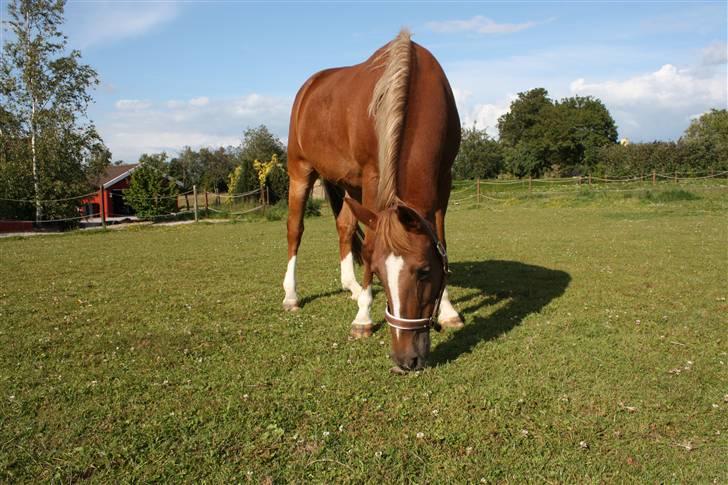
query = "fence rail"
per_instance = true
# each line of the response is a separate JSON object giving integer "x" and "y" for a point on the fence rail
{"x": 486, "y": 189}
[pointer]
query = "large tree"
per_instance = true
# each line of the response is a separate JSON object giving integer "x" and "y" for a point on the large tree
{"x": 260, "y": 144}
{"x": 539, "y": 135}
{"x": 707, "y": 140}
{"x": 44, "y": 94}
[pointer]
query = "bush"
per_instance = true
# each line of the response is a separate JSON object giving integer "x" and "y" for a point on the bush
{"x": 150, "y": 193}
{"x": 277, "y": 183}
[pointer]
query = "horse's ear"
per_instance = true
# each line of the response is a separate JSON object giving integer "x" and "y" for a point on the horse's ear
{"x": 364, "y": 215}
{"x": 410, "y": 218}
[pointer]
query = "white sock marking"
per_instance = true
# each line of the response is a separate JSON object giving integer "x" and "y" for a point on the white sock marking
{"x": 446, "y": 309}
{"x": 365, "y": 302}
{"x": 394, "y": 265}
{"x": 289, "y": 282}
{"x": 348, "y": 278}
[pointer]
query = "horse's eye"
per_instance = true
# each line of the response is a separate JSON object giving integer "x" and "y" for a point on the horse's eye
{"x": 423, "y": 273}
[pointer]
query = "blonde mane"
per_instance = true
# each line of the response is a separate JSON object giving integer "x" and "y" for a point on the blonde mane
{"x": 388, "y": 107}
{"x": 392, "y": 233}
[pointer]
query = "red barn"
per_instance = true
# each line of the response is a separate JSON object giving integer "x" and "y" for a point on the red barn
{"x": 114, "y": 181}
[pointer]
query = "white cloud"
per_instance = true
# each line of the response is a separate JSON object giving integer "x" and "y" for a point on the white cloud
{"x": 669, "y": 86}
{"x": 201, "y": 101}
{"x": 137, "y": 127}
{"x": 103, "y": 22}
{"x": 480, "y": 25}
{"x": 485, "y": 115}
{"x": 658, "y": 104}
{"x": 715, "y": 54}
{"x": 131, "y": 105}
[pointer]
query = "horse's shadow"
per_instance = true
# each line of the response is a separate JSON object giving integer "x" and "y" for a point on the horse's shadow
{"x": 527, "y": 288}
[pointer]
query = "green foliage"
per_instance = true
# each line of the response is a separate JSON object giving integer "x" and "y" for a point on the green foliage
{"x": 150, "y": 193}
{"x": 47, "y": 151}
{"x": 217, "y": 167}
{"x": 561, "y": 138}
{"x": 707, "y": 140}
{"x": 672, "y": 195}
{"x": 188, "y": 168}
{"x": 277, "y": 183}
{"x": 313, "y": 207}
{"x": 479, "y": 157}
{"x": 524, "y": 117}
{"x": 260, "y": 144}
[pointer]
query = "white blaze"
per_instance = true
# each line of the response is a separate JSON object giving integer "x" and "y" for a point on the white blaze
{"x": 348, "y": 278}
{"x": 289, "y": 282}
{"x": 394, "y": 265}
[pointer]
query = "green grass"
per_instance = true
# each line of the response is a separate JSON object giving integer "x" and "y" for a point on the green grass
{"x": 594, "y": 350}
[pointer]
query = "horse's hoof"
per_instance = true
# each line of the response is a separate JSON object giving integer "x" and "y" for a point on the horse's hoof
{"x": 452, "y": 322}
{"x": 362, "y": 331}
{"x": 291, "y": 306}
{"x": 397, "y": 370}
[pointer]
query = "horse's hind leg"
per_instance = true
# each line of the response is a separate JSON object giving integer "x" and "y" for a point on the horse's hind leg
{"x": 346, "y": 225}
{"x": 302, "y": 178}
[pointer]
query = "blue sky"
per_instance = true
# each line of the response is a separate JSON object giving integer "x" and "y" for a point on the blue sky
{"x": 198, "y": 73}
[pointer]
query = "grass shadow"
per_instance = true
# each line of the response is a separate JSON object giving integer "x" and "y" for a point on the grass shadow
{"x": 311, "y": 298}
{"x": 527, "y": 288}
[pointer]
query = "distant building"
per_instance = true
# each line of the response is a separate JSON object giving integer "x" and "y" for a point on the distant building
{"x": 115, "y": 180}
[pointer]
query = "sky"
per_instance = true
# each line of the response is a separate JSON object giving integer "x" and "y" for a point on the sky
{"x": 198, "y": 73}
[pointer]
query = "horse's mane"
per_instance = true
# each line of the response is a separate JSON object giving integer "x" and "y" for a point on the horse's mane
{"x": 388, "y": 107}
{"x": 392, "y": 232}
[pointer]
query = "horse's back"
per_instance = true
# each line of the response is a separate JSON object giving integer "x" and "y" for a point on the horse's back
{"x": 331, "y": 129}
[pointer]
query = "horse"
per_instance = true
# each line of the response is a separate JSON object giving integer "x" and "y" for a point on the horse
{"x": 382, "y": 135}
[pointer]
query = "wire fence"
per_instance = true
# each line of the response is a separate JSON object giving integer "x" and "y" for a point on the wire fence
{"x": 511, "y": 189}
{"x": 213, "y": 204}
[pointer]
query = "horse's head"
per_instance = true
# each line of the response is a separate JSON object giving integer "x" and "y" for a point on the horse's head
{"x": 404, "y": 252}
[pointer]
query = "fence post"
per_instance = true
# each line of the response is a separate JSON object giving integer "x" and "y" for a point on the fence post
{"x": 206, "y": 206}
{"x": 529, "y": 183}
{"x": 103, "y": 206}
{"x": 675, "y": 176}
{"x": 194, "y": 191}
{"x": 590, "y": 181}
{"x": 654, "y": 175}
{"x": 478, "y": 190}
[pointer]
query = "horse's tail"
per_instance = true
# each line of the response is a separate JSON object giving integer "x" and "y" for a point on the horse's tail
{"x": 336, "y": 194}
{"x": 388, "y": 107}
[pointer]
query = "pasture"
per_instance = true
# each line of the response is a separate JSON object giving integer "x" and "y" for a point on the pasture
{"x": 594, "y": 349}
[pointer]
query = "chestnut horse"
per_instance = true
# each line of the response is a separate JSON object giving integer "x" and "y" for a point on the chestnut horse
{"x": 382, "y": 135}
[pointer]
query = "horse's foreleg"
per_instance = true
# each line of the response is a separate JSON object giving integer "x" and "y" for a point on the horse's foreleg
{"x": 298, "y": 191}
{"x": 346, "y": 226}
{"x": 362, "y": 325}
{"x": 448, "y": 316}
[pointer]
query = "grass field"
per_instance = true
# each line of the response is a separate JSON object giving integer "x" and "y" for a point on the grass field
{"x": 595, "y": 349}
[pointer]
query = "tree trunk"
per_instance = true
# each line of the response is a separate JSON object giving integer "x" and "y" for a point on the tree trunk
{"x": 36, "y": 184}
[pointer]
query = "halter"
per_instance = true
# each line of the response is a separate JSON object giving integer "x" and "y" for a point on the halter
{"x": 419, "y": 324}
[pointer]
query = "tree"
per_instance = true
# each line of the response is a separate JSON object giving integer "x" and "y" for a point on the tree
{"x": 479, "y": 157}
{"x": 260, "y": 144}
{"x": 151, "y": 193}
{"x": 539, "y": 135}
{"x": 187, "y": 167}
{"x": 217, "y": 166}
{"x": 707, "y": 140}
{"x": 44, "y": 96}
{"x": 525, "y": 113}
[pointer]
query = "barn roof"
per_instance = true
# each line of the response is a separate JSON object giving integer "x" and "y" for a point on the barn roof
{"x": 115, "y": 173}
